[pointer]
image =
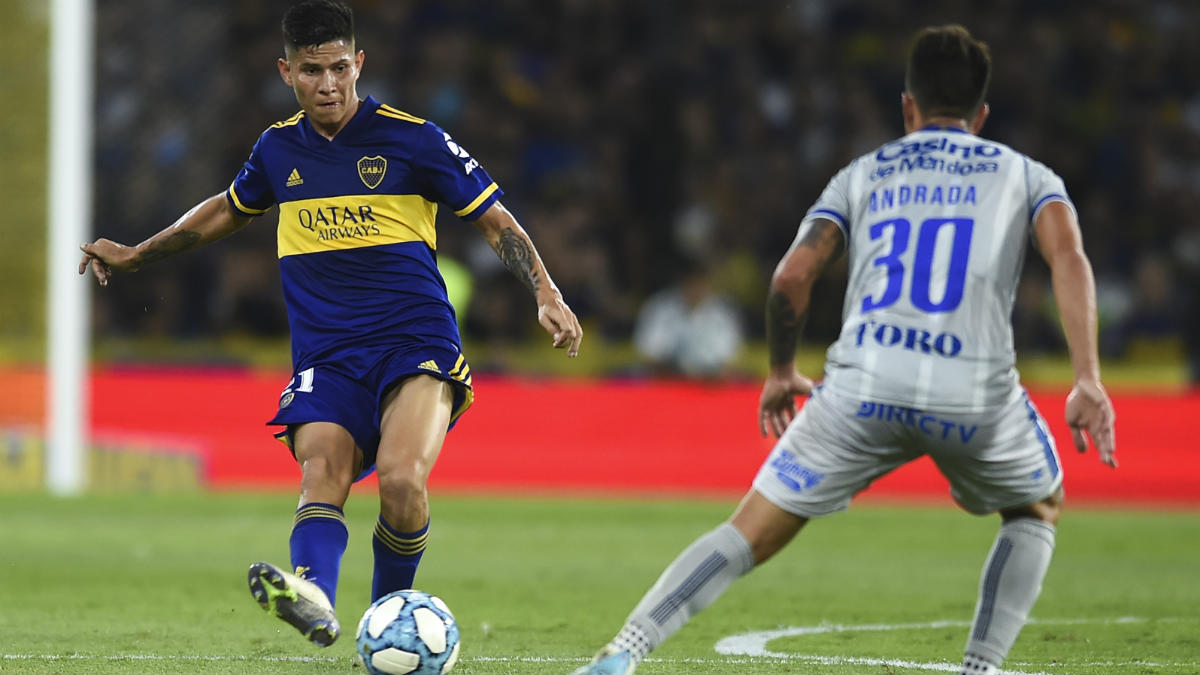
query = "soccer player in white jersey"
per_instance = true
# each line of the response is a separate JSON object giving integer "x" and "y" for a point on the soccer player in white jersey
{"x": 935, "y": 225}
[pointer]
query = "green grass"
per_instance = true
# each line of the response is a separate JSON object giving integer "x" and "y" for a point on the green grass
{"x": 142, "y": 584}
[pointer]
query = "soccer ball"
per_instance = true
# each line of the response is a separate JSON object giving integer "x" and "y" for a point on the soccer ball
{"x": 408, "y": 632}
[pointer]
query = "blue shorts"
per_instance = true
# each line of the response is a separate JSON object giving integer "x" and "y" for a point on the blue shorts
{"x": 350, "y": 392}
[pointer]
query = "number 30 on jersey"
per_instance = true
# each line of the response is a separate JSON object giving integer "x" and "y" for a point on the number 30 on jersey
{"x": 922, "y": 264}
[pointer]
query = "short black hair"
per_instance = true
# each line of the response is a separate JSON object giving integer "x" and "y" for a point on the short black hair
{"x": 948, "y": 71}
{"x": 314, "y": 22}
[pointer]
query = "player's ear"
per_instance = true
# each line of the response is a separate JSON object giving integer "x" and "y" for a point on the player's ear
{"x": 980, "y": 118}
{"x": 285, "y": 71}
{"x": 908, "y": 108}
{"x": 359, "y": 58}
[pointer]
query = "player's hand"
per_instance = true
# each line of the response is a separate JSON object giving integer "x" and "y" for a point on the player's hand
{"x": 104, "y": 256}
{"x": 560, "y": 322}
{"x": 777, "y": 405}
{"x": 1090, "y": 411}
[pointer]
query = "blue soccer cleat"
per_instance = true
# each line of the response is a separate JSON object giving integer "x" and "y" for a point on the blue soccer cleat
{"x": 609, "y": 661}
{"x": 296, "y": 600}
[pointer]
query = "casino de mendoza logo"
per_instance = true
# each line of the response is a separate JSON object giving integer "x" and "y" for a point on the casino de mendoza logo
{"x": 371, "y": 170}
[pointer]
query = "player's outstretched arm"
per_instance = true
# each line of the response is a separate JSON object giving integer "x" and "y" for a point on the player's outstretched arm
{"x": 516, "y": 250}
{"x": 207, "y": 221}
{"x": 1088, "y": 406}
{"x": 818, "y": 242}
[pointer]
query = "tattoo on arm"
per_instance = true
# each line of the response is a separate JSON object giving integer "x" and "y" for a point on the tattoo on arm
{"x": 783, "y": 328}
{"x": 169, "y": 245}
{"x": 518, "y": 256}
{"x": 785, "y": 321}
{"x": 825, "y": 237}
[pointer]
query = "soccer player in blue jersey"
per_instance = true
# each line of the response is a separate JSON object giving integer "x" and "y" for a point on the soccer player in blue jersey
{"x": 935, "y": 225}
{"x": 379, "y": 375}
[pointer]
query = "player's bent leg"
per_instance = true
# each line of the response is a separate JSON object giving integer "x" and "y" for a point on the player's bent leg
{"x": 1011, "y": 582}
{"x": 328, "y": 458}
{"x": 765, "y": 526}
{"x": 757, "y": 530}
{"x": 1047, "y": 510}
{"x": 416, "y": 414}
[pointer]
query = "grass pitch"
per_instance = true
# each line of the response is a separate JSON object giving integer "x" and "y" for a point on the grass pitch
{"x": 151, "y": 584}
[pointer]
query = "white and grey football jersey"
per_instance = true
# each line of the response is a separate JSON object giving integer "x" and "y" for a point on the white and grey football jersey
{"x": 936, "y": 225}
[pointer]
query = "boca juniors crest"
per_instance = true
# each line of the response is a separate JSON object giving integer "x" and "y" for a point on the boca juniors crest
{"x": 371, "y": 170}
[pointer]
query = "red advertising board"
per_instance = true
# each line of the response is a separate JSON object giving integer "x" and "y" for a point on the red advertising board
{"x": 593, "y": 436}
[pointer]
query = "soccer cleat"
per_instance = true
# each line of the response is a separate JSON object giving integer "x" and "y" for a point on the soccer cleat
{"x": 296, "y": 600}
{"x": 609, "y": 661}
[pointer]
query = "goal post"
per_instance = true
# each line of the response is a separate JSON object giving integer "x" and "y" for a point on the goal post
{"x": 68, "y": 215}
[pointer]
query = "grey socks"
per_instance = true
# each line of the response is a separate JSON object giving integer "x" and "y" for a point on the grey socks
{"x": 1011, "y": 582}
{"x": 692, "y": 582}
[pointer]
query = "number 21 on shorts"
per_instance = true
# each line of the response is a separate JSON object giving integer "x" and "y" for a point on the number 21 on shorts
{"x": 305, "y": 387}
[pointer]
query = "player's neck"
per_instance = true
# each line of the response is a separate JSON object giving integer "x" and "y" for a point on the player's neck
{"x": 942, "y": 122}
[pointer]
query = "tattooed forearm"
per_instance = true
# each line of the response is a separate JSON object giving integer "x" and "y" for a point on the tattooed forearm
{"x": 783, "y": 328}
{"x": 518, "y": 256}
{"x": 168, "y": 245}
{"x": 819, "y": 241}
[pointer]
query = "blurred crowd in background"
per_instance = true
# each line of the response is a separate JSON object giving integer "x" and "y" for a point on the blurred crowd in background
{"x": 661, "y": 154}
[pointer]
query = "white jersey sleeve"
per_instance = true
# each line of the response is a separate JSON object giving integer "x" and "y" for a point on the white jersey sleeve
{"x": 936, "y": 224}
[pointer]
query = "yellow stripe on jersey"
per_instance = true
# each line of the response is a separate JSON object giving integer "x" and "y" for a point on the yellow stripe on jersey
{"x": 354, "y": 221}
{"x": 289, "y": 121}
{"x": 389, "y": 111}
{"x": 478, "y": 200}
{"x": 242, "y": 207}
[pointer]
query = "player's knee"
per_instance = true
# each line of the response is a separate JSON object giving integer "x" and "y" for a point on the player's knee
{"x": 766, "y": 527}
{"x": 326, "y": 471}
{"x": 400, "y": 486}
{"x": 1046, "y": 510}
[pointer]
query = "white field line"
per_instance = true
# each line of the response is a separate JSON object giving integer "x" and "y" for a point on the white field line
{"x": 745, "y": 648}
{"x": 747, "y": 660}
{"x": 754, "y": 644}
{"x": 216, "y": 658}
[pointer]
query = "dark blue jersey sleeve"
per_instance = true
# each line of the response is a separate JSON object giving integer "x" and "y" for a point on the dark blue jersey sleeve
{"x": 453, "y": 177}
{"x": 250, "y": 193}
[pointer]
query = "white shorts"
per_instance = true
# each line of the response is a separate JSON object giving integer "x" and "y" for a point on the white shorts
{"x": 838, "y": 445}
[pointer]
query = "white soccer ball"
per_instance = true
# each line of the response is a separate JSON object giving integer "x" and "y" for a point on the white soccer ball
{"x": 408, "y": 632}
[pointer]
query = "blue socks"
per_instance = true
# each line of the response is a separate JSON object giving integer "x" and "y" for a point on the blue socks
{"x": 397, "y": 555}
{"x": 319, "y": 539}
{"x": 317, "y": 543}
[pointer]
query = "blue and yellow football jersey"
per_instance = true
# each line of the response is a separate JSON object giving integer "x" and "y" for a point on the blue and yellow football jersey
{"x": 356, "y": 237}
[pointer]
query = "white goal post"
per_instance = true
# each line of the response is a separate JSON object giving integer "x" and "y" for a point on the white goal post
{"x": 68, "y": 218}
